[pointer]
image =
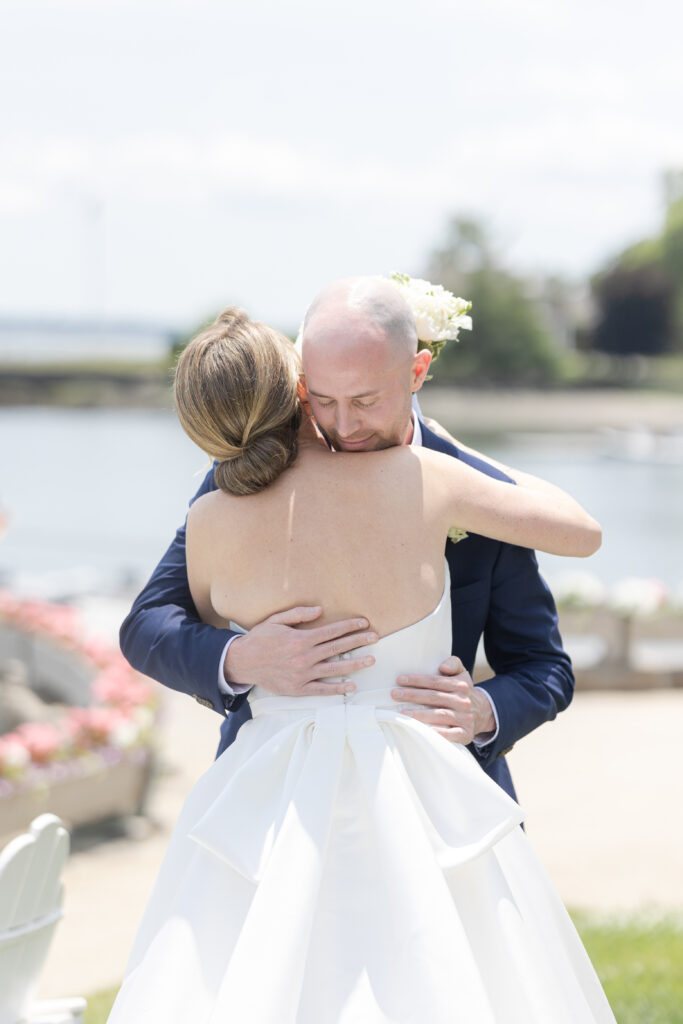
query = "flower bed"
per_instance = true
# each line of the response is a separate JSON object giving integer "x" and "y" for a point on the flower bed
{"x": 632, "y": 597}
{"x": 95, "y": 760}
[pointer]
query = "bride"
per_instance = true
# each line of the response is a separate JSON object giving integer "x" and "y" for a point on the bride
{"x": 341, "y": 862}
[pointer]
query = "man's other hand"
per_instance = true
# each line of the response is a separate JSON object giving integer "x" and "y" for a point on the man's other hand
{"x": 293, "y": 662}
{"x": 450, "y": 702}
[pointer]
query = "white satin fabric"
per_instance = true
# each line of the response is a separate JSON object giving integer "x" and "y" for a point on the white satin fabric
{"x": 342, "y": 863}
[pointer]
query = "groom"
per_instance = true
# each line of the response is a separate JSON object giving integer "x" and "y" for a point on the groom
{"x": 361, "y": 399}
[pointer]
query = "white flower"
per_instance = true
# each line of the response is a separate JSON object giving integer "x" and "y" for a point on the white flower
{"x": 124, "y": 735}
{"x": 14, "y": 755}
{"x": 144, "y": 717}
{"x": 638, "y": 597}
{"x": 580, "y": 590}
{"x": 455, "y": 534}
{"x": 439, "y": 314}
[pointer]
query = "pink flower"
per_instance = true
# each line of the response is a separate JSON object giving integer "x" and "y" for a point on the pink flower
{"x": 42, "y": 740}
{"x": 9, "y": 605}
{"x": 92, "y": 727}
{"x": 95, "y": 650}
{"x": 122, "y": 686}
{"x": 123, "y": 716}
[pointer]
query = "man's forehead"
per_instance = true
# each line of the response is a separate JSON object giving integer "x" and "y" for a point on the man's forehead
{"x": 354, "y": 355}
{"x": 349, "y": 333}
{"x": 346, "y": 378}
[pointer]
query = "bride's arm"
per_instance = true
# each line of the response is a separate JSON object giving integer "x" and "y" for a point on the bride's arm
{"x": 534, "y": 514}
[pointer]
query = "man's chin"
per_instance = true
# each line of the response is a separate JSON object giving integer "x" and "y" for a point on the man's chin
{"x": 370, "y": 444}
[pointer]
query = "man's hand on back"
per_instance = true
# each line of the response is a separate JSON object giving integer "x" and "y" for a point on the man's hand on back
{"x": 293, "y": 662}
{"x": 451, "y": 703}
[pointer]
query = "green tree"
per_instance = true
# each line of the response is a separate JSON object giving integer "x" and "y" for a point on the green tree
{"x": 509, "y": 342}
{"x": 635, "y": 311}
{"x": 659, "y": 257}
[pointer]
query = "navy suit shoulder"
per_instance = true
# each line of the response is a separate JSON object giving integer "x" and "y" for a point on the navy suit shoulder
{"x": 163, "y": 636}
{"x": 439, "y": 444}
{"x": 498, "y": 592}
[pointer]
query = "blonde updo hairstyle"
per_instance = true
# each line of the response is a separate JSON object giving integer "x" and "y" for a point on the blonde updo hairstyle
{"x": 236, "y": 397}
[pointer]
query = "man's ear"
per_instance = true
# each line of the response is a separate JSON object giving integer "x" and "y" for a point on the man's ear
{"x": 420, "y": 367}
{"x": 302, "y": 392}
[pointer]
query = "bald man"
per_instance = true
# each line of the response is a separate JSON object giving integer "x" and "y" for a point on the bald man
{"x": 361, "y": 371}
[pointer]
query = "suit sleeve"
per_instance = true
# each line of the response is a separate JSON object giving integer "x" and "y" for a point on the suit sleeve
{"x": 533, "y": 674}
{"x": 163, "y": 636}
{"x": 533, "y": 677}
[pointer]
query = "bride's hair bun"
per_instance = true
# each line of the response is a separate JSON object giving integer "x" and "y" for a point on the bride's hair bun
{"x": 236, "y": 397}
{"x": 259, "y": 463}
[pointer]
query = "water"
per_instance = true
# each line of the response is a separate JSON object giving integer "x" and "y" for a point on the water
{"x": 638, "y": 504}
{"x": 93, "y": 497}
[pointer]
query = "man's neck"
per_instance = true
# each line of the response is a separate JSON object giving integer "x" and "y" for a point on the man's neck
{"x": 410, "y": 431}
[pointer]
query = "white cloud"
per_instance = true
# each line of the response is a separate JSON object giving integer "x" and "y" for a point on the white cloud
{"x": 321, "y": 138}
{"x": 16, "y": 198}
{"x": 162, "y": 168}
{"x": 570, "y": 153}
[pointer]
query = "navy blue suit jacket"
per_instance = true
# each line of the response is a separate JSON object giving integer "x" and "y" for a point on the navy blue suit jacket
{"x": 496, "y": 590}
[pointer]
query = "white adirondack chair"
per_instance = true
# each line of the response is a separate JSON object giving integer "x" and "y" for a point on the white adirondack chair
{"x": 30, "y": 907}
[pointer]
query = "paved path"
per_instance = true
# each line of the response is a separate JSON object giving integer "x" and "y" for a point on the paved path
{"x": 601, "y": 786}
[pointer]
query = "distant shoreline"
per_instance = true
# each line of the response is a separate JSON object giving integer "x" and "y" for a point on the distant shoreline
{"x": 496, "y": 411}
{"x": 462, "y": 410}
{"x": 87, "y": 386}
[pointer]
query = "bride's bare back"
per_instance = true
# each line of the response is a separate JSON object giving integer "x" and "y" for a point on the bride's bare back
{"x": 357, "y": 534}
{"x": 361, "y": 534}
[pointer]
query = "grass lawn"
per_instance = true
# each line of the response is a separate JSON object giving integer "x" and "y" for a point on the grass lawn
{"x": 99, "y": 1006}
{"x": 639, "y": 963}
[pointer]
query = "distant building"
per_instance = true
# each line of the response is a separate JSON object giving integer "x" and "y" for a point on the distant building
{"x": 66, "y": 341}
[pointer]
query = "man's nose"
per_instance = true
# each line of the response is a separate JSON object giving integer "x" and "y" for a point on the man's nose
{"x": 347, "y": 421}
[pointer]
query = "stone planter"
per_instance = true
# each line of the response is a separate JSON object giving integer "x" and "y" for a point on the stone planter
{"x": 635, "y": 653}
{"x": 623, "y": 653}
{"x": 103, "y": 788}
{"x": 56, "y": 673}
{"x": 84, "y": 748}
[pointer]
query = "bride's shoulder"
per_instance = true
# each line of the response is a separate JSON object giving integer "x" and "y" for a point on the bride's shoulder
{"x": 207, "y": 509}
{"x": 433, "y": 461}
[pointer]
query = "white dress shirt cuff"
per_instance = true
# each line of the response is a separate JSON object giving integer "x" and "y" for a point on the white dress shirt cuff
{"x": 482, "y": 739}
{"x": 234, "y": 689}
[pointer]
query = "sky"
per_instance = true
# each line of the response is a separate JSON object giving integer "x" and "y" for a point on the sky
{"x": 160, "y": 159}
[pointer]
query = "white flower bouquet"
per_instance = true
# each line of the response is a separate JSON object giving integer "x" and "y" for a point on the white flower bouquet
{"x": 439, "y": 314}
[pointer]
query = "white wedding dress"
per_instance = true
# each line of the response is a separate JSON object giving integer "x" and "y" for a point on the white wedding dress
{"x": 341, "y": 863}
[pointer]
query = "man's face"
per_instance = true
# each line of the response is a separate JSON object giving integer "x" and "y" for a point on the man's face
{"x": 360, "y": 388}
